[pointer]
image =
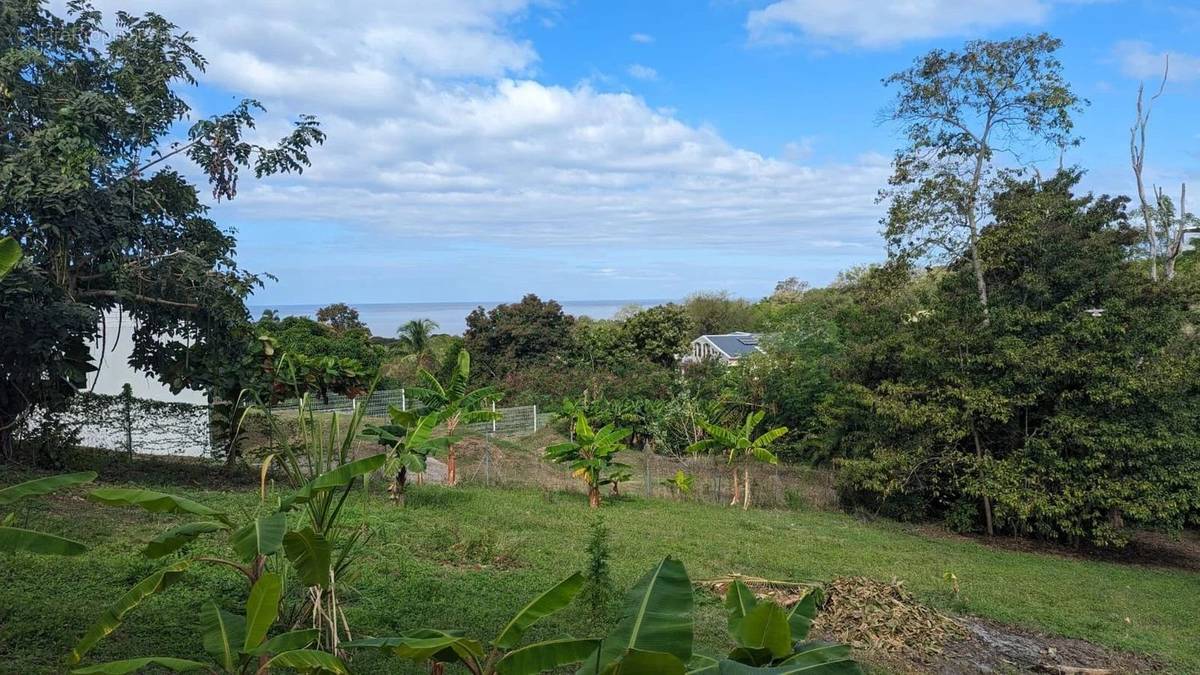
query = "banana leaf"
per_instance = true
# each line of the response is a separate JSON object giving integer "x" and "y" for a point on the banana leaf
{"x": 544, "y": 605}
{"x": 43, "y": 486}
{"x": 31, "y": 541}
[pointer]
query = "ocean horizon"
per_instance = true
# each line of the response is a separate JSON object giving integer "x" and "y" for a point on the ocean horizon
{"x": 384, "y": 318}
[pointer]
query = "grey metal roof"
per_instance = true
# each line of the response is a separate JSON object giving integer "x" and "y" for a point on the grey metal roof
{"x": 736, "y": 345}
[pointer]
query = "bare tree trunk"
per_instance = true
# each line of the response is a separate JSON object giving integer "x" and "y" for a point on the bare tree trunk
{"x": 737, "y": 491}
{"x": 746, "y": 502}
{"x": 1179, "y": 228}
{"x": 593, "y": 496}
{"x": 987, "y": 501}
{"x": 452, "y": 468}
{"x": 973, "y": 227}
{"x": 1137, "y": 158}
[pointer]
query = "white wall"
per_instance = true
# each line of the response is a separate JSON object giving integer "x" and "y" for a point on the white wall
{"x": 115, "y": 370}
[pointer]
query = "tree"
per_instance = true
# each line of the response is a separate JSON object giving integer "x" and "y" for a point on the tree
{"x": 591, "y": 455}
{"x": 659, "y": 334}
{"x": 415, "y": 339}
{"x": 1081, "y": 394}
{"x": 300, "y": 335}
{"x": 718, "y": 313}
{"x": 514, "y": 335}
{"x": 454, "y": 404}
{"x": 86, "y": 134}
{"x": 341, "y": 317}
{"x": 960, "y": 111}
{"x": 737, "y": 443}
{"x": 1165, "y": 229}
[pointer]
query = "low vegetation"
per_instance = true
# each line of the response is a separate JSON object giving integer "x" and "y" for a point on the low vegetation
{"x": 404, "y": 581}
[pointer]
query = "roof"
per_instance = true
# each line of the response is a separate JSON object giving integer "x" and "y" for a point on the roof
{"x": 734, "y": 345}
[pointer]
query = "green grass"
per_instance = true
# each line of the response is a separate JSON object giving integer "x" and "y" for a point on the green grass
{"x": 45, "y": 603}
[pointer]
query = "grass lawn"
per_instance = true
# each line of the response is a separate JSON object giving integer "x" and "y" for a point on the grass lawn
{"x": 407, "y": 580}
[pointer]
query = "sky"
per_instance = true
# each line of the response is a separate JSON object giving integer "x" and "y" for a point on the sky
{"x": 479, "y": 150}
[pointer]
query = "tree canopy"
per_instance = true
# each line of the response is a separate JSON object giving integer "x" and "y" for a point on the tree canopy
{"x": 89, "y": 190}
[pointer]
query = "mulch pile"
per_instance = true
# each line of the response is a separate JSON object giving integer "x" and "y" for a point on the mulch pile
{"x": 889, "y": 628}
{"x": 884, "y": 618}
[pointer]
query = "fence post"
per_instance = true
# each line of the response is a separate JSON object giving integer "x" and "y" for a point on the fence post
{"x": 646, "y": 471}
{"x": 487, "y": 465}
{"x": 127, "y": 417}
{"x": 535, "y": 417}
{"x": 493, "y": 418}
{"x": 403, "y": 401}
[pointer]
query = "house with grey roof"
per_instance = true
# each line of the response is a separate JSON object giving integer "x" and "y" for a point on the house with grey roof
{"x": 728, "y": 348}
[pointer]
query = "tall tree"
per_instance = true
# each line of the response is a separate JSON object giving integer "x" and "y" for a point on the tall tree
{"x": 1082, "y": 391}
{"x": 659, "y": 334}
{"x": 961, "y": 113}
{"x": 518, "y": 334}
{"x": 341, "y": 317}
{"x": 87, "y": 124}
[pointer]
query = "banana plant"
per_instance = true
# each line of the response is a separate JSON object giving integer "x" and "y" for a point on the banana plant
{"x": 10, "y": 255}
{"x": 681, "y": 484}
{"x": 771, "y": 640}
{"x": 31, "y": 541}
{"x": 503, "y": 657}
{"x": 239, "y": 644}
{"x": 255, "y": 546}
{"x": 455, "y": 404}
{"x": 591, "y": 455}
{"x": 409, "y": 439}
{"x": 737, "y": 443}
{"x": 653, "y": 635}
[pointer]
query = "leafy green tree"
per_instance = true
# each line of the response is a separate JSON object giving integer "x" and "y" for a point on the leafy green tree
{"x": 718, "y": 313}
{"x": 87, "y": 134}
{"x": 514, "y": 335}
{"x": 1074, "y": 414}
{"x": 660, "y": 334}
{"x": 591, "y": 455}
{"x": 961, "y": 112}
{"x": 455, "y": 403}
{"x": 737, "y": 443}
{"x": 300, "y": 335}
{"x": 341, "y": 317}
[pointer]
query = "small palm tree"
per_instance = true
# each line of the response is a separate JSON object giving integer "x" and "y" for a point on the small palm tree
{"x": 415, "y": 339}
{"x": 591, "y": 456}
{"x": 454, "y": 404}
{"x": 739, "y": 442}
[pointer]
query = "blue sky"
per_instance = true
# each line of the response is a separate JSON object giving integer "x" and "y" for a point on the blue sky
{"x": 481, "y": 149}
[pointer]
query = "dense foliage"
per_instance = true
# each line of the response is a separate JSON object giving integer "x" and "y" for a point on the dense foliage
{"x": 1073, "y": 411}
{"x": 86, "y": 127}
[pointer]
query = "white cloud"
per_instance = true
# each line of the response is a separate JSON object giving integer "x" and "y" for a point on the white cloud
{"x": 1140, "y": 60}
{"x": 641, "y": 38}
{"x": 870, "y": 23}
{"x": 437, "y": 128}
{"x": 641, "y": 72}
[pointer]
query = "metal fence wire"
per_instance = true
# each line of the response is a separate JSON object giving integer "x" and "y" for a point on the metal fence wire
{"x": 512, "y": 422}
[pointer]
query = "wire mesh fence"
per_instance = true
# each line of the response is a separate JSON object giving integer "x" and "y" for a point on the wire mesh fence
{"x": 513, "y": 421}
{"x": 125, "y": 423}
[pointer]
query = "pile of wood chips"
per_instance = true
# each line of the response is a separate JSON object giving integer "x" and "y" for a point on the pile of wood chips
{"x": 883, "y": 617}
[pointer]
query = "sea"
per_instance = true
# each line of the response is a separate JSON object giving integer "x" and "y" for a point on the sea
{"x": 383, "y": 318}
